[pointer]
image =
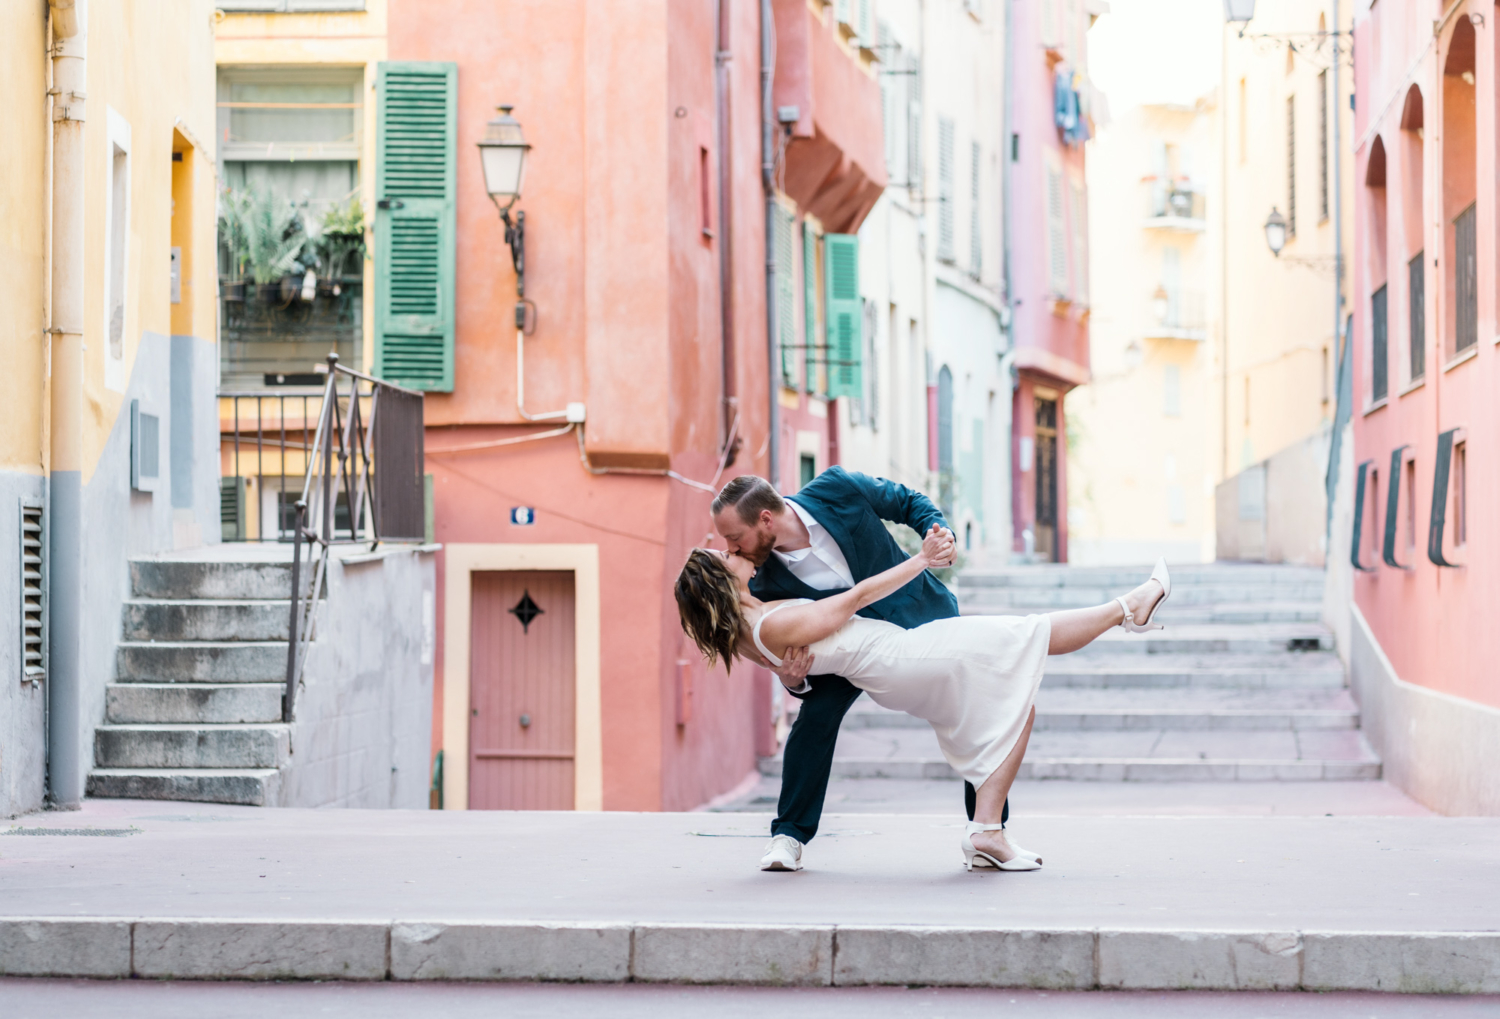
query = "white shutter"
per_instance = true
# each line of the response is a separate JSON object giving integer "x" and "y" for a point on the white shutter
{"x": 945, "y": 190}
{"x": 976, "y": 221}
{"x": 1057, "y": 238}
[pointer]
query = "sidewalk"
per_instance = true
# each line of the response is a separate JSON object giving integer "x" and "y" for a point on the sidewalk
{"x": 209, "y": 891}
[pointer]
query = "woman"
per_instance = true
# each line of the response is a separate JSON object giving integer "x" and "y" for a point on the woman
{"x": 974, "y": 678}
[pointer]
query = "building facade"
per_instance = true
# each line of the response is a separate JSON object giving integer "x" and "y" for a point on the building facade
{"x": 935, "y": 412}
{"x": 1050, "y": 107}
{"x": 1414, "y": 556}
{"x": 108, "y": 450}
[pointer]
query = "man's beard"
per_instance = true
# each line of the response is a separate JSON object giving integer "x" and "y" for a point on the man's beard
{"x": 761, "y": 550}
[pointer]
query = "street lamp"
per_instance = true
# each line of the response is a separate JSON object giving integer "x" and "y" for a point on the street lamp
{"x": 502, "y": 151}
{"x": 1276, "y": 232}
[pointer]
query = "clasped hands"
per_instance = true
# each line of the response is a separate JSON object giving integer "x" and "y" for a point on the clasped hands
{"x": 938, "y": 548}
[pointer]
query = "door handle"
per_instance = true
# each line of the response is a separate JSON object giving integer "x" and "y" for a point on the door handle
{"x": 390, "y": 203}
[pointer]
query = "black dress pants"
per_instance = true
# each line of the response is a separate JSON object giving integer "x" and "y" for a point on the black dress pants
{"x": 808, "y": 759}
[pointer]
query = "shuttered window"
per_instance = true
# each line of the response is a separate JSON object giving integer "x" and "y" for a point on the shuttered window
{"x": 1465, "y": 282}
{"x": 1379, "y": 385}
{"x": 1057, "y": 238}
{"x": 1416, "y": 277}
{"x": 415, "y": 224}
{"x": 810, "y": 328}
{"x": 945, "y": 189}
{"x": 976, "y": 222}
{"x": 845, "y": 316}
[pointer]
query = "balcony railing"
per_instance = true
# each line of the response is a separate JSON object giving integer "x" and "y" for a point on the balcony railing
{"x": 1184, "y": 317}
{"x": 1174, "y": 206}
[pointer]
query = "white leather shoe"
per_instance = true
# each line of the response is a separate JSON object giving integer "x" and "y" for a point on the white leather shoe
{"x": 783, "y": 853}
{"x": 1162, "y": 577}
{"x": 984, "y": 861}
{"x": 978, "y": 857}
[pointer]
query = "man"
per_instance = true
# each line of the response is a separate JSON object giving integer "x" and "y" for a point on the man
{"x": 825, "y": 539}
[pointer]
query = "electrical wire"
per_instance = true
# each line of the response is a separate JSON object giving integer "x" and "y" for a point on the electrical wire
{"x": 494, "y": 443}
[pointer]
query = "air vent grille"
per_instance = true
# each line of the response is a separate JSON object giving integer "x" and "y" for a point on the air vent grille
{"x": 33, "y": 596}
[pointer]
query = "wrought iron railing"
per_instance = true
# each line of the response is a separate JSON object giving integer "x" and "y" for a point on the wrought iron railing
{"x": 366, "y": 450}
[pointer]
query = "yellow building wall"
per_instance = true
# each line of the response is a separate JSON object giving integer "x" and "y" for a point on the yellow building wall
{"x": 343, "y": 39}
{"x": 152, "y": 64}
{"x": 23, "y": 234}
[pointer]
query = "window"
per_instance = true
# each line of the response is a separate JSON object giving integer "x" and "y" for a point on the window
{"x": 945, "y": 440}
{"x": 1411, "y": 504}
{"x": 33, "y": 605}
{"x": 945, "y": 190}
{"x": 1323, "y": 144}
{"x": 1376, "y": 537}
{"x": 807, "y": 470}
{"x": 1416, "y": 276}
{"x": 976, "y": 228}
{"x": 786, "y": 317}
{"x": 1379, "y": 385}
{"x": 1171, "y": 378}
{"x": 1460, "y": 493}
{"x": 1078, "y": 211}
{"x": 1291, "y": 166}
{"x": 705, "y": 194}
{"x": 117, "y": 251}
{"x": 288, "y": 146}
{"x": 1465, "y": 283}
{"x": 1057, "y": 243}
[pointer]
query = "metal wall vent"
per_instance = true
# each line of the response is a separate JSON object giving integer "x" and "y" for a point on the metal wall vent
{"x": 33, "y": 595}
{"x": 115, "y": 832}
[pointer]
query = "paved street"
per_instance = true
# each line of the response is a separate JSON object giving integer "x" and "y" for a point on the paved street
{"x": 90, "y": 999}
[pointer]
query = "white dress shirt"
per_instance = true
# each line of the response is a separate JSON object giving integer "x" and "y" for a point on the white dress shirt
{"x": 821, "y": 565}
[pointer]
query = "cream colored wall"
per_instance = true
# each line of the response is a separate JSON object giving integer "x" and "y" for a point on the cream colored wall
{"x": 23, "y": 234}
{"x": 152, "y": 65}
{"x": 347, "y": 39}
{"x": 1279, "y": 312}
{"x": 1127, "y": 454}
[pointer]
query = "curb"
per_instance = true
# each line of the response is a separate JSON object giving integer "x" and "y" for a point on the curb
{"x": 1428, "y": 962}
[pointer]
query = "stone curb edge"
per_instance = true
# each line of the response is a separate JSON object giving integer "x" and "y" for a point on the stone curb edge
{"x": 1423, "y": 962}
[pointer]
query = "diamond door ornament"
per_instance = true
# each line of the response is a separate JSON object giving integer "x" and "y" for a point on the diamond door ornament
{"x": 526, "y": 610}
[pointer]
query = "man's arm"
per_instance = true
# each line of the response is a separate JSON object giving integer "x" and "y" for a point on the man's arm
{"x": 896, "y": 502}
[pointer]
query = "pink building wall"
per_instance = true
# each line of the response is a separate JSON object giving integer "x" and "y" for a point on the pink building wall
{"x": 1435, "y": 624}
{"x": 618, "y": 103}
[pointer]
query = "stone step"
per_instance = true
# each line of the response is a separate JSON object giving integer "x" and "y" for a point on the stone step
{"x": 202, "y": 619}
{"x": 201, "y": 661}
{"x": 1241, "y": 672}
{"x": 1212, "y": 639}
{"x": 1046, "y": 599}
{"x": 191, "y": 746}
{"x": 1183, "y": 576}
{"x": 193, "y": 702}
{"x": 251, "y": 787}
{"x": 182, "y": 578}
{"x": 1175, "y": 614}
{"x": 1122, "y": 769}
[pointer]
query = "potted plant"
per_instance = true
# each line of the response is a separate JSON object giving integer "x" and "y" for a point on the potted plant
{"x": 340, "y": 238}
{"x": 274, "y": 239}
{"x": 233, "y": 244}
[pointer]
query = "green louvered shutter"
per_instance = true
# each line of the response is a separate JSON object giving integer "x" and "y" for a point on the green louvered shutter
{"x": 810, "y": 303}
{"x": 414, "y": 224}
{"x": 786, "y": 315}
{"x": 845, "y": 315}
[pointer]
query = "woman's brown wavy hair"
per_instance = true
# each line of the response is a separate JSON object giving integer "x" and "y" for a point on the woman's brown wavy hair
{"x": 708, "y": 600}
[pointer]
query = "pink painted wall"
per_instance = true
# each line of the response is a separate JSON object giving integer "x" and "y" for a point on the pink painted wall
{"x": 1435, "y": 624}
{"x": 617, "y": 100}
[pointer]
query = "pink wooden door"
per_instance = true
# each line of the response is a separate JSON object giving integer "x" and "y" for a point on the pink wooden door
{"x": 521, "y": 691}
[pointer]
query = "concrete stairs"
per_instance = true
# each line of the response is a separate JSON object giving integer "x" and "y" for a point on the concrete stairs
{"x": 1242, "y": 685}
{"x": 195, "y": 713}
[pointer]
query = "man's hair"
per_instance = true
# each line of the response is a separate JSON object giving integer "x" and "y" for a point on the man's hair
{"x": 748, "y": 494}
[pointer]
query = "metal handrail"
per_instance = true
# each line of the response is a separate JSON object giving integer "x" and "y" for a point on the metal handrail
{"x": 350, "y": 437}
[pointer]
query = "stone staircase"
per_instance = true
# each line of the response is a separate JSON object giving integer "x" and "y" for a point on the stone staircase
{"x": 1242, "y": 685}
{"x": 195, "y": 712}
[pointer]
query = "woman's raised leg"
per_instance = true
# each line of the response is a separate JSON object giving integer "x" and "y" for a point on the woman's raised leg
{"x": 1076, "y": 628}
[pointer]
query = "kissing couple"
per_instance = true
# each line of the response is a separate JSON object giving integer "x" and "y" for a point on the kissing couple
{"x": 816, "y": 580}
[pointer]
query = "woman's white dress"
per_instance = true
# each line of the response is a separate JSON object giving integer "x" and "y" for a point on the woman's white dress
{"x": 973, "y": 678}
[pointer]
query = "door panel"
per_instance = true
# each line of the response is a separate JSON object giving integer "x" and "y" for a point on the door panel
{"x": 521, "y": 686}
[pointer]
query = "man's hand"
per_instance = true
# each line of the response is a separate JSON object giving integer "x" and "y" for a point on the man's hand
{"x": 794, "y": 667}
{"x": 939, "y": 547}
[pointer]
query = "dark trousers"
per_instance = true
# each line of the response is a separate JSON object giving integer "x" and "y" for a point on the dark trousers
{"x": 809, "y": 759}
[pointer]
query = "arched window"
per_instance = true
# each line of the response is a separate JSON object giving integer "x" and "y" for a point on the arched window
{"x": 1377, "y": 270}
{"x": 1413, "y": 232}
{"x": 1460, "y": 273}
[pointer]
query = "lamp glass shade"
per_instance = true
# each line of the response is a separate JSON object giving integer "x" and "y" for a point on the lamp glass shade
{"x": 1275, "y": 232}
{"x": 1239, "y": 10}
{"x": 502, "y": 151}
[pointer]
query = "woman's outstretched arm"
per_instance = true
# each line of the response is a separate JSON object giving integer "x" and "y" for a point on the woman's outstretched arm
{"x": 801, "y": 625}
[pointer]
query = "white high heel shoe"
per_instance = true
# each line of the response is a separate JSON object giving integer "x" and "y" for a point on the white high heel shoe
{"x": 1023, "y": 853}
{"x": 1162, "y": 577}
{"x": 970, "y": 852}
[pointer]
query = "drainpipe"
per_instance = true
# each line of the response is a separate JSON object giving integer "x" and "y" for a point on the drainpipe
{"x": 729, "y": 397}
{"x": 1338, "y": 205}
{"x": 768, "y": 182}
{"x": 66, "y": 766}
